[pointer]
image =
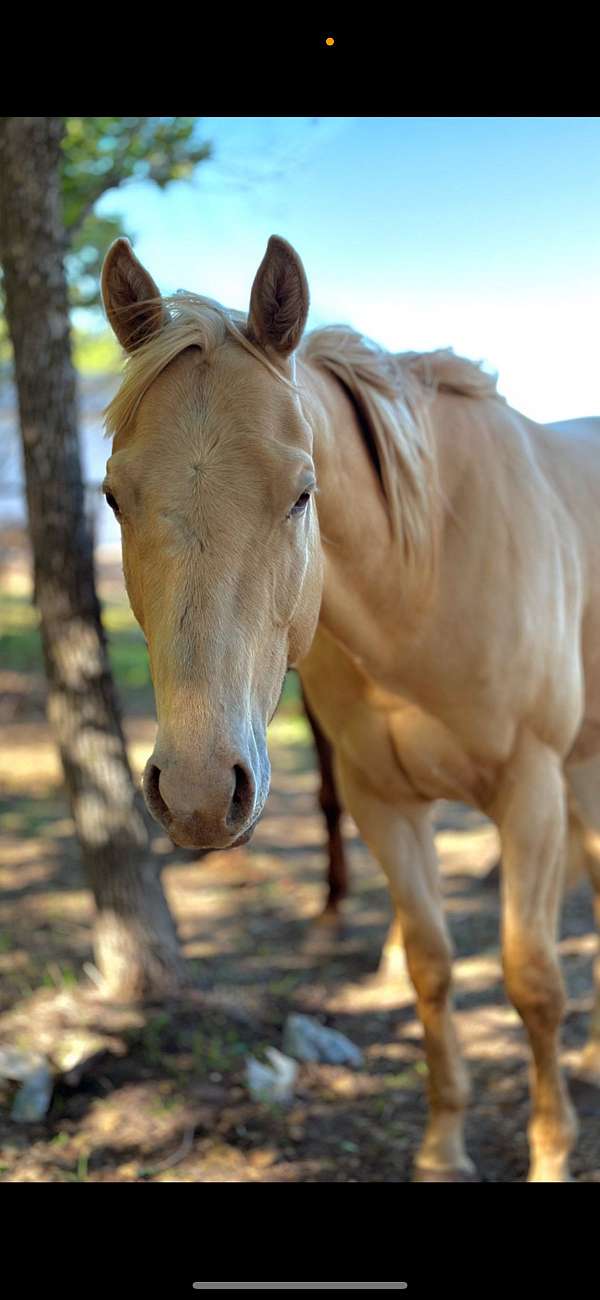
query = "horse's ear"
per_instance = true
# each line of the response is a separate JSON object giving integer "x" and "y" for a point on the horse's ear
{"x": 129, "y": 295}
{"x": 279, "y": 299}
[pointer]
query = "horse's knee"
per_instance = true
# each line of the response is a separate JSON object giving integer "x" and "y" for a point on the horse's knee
{"x": 534, "y": 986}
{"x": 431, "y": 974}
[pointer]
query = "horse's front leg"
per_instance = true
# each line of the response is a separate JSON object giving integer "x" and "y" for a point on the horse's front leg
{"x": 530, "y": 812}
{"x": 401, "y": 837}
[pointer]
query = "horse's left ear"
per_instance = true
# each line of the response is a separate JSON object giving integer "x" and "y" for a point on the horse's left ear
{"x": 131, "y": 298}
{"x": 279, "y": 299}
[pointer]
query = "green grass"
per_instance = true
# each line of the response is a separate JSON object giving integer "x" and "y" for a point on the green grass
{"x": 56, "y": 976}
{"x": 20, "y": 647}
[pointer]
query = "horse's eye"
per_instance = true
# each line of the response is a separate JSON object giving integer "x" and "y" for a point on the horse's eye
{"x": 112, "y": 502}
{"x": 301, "y": 504}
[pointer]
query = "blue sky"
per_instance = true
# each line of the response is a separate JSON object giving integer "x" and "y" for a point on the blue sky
{"x": 482, "y": 234}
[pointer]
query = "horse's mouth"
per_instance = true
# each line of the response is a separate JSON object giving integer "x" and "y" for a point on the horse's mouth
{"x": 184, "y": 841}
{"x": 246, "y": 835}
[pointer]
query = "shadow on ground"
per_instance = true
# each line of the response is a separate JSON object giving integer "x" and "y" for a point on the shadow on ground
{"x": 167, "y": 1100}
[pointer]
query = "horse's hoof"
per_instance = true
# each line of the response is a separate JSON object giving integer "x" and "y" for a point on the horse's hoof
{"x": 324, "y": 931}
{"x": 332, "y": 915}
{"x": 424, "y": 1175}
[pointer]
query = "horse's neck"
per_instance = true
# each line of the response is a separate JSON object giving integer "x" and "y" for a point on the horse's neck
{"x": 369, "y": 587}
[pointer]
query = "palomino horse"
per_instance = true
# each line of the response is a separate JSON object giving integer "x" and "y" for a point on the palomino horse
{"x": 441, "y": 596}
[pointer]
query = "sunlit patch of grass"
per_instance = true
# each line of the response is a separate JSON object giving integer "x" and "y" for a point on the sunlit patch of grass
{"x": 60, "y": 1140}
{"x": 129, "y": 660}
{"x": 17, "y": 612}
{"x": 59, "y": 977}
{"x": 117, "y": 617}
{"x": 290, "y": 729}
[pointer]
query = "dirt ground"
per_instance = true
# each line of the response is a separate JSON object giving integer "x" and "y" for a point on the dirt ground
{"x": 166, "y": 1099}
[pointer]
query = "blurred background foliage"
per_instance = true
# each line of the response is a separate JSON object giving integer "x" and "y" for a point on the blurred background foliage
{"x": 102, "y": 154}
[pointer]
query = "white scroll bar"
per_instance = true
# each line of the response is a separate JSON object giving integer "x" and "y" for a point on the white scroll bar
{"x": 300, "y": 1286}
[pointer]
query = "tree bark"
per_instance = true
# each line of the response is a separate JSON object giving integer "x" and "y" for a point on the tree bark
{"x": 135, "y": 944}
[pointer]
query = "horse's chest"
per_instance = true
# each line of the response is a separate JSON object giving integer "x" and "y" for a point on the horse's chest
{"x": 399, "y": 745}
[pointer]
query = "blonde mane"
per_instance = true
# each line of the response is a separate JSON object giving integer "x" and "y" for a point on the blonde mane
{"x": 391, "y": 392}
{"x": 190, "y": 321}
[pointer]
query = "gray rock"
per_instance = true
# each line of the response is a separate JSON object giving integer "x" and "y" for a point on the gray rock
{"x": 32, "y": 1101}
{"x": 32, "y": 1071}
{"x": 307, "y": 1040}
{"x": 18, "y": 1065}
{"x": 274, "y": 1082}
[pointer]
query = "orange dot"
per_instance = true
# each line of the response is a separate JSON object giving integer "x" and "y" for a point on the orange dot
{"x": 330, "y": 41}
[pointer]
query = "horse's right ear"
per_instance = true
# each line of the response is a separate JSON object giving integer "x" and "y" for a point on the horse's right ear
{"x": 130, "y": 297}
{"x": 279, "y": 299}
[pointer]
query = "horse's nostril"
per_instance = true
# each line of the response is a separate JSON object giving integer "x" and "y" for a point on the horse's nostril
{"x": 154, "y": 800}
{"x": 241, "y": 784}
{"x": 242, "y": 798}
{"x": 152, "y": 778}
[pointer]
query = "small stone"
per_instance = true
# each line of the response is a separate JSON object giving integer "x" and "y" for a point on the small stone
{"x": 307, "y": 1040}
{"x": 18, "y": 1065}
{"x": 274, "y": 1082}
{"x": 31, "y": 1070}
{"x": 33, "y": 1099}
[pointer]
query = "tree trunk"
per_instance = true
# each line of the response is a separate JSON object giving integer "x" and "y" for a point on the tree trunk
{"x": 135, "y": 941}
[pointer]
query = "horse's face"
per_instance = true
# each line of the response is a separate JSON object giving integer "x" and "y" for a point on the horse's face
{"x": 213, "y": 482}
